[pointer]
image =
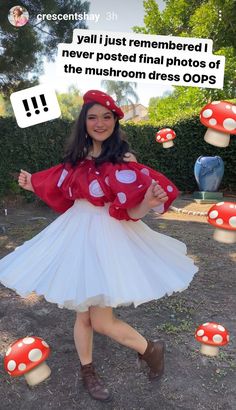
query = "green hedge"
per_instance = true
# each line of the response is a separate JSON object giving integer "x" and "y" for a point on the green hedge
{"x": 178, "y": 162}
{"x": 32, "y": 149}
{"x": 41, "y": 146}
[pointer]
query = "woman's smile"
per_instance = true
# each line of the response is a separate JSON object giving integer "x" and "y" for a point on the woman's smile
{"x": 100, "y": 122}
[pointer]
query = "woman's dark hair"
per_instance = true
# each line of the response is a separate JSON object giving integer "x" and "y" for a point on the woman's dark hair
{"x": 77, "y": 146}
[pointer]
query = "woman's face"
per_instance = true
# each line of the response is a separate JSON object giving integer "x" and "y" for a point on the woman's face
{"x": 16, "y": 13}
{"x": 100, "y": 122}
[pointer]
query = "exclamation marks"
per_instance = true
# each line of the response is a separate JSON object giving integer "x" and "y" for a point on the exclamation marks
{"x": 33, "y": 99}
{"x": 35, "y": 105}
{"x": 26, "y": 108}
{"x": 43, "y": 102}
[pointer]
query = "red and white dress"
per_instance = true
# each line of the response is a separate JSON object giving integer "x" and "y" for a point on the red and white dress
{"x": 94, "y": 253}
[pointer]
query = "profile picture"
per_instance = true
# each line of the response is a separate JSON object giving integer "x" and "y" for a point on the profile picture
{"x": 18, "y": 16}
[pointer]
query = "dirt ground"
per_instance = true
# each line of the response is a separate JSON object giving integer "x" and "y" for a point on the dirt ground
{"x": 191, "y": 380}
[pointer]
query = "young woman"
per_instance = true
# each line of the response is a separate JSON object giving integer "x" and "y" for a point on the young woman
{"x": 19, "y": 19}
{"x": 98, "y": 254}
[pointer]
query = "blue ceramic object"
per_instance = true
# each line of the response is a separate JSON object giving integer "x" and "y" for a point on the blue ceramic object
{"x": 209, "y": 172}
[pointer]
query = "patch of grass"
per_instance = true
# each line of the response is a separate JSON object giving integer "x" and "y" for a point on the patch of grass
{"x": 220, "y": 373}
{"x": 27, "y": 231}
{"x": 224, "y": 359}
{"x": 193, "y": 354}
{"x": 227, "y": 358}
{"x": 16, "y": 235}
{"x": 179, "y": 305}
{"x": 182, "y": 326}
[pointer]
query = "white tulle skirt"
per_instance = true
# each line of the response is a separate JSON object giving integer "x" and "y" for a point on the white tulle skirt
{"x": 85, "y": 257}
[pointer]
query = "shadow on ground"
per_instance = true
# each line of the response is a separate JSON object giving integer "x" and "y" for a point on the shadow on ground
{"x": 191, "y": 380}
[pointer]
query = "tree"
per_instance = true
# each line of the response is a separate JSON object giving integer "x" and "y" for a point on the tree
{"x": 185, "y": 100}
{"x": 5, "y": 107}
{"x": 22, "y": 49}
{"x": 123, "y": 91}
{"x": 213, "y": 19}
{"x": 70, "y": 103}
{"x": 2, "y": 107}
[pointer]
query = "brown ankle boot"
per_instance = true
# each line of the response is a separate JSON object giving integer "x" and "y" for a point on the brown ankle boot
{"x": 93, "y": 384}
{"x": 154, "y": 357}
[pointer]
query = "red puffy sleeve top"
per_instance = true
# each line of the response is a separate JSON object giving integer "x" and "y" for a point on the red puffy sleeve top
{"x": 123, "y": 185}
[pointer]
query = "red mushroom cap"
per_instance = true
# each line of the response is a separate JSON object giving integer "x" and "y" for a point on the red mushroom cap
{"x": 25, "y": 354}
{"x": 223, "y": 215}
{"x": 219, "y": 115}
{"x": 212, "y": 333}
{"x": 165, "y": 135}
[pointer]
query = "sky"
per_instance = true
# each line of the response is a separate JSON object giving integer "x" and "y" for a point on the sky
{"x": 116, "y": 16}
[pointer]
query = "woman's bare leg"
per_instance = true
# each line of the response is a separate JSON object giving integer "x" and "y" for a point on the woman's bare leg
{"x": 104, "y": 322}
{"x": 83, "y": 337}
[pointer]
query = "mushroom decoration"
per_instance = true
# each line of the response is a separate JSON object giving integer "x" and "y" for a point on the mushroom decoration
{"x": 223, "y": 217}
{"x": 165, "y": 137}
{"x": 220, "y": 118}
{"x": 27, "y": 357}
{"x": 211, "y": 335}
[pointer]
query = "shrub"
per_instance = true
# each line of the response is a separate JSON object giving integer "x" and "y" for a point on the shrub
{"x": 41, "y": 146}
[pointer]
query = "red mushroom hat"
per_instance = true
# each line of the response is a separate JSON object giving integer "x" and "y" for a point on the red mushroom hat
{"x": 223, "y": 217}
{"x": 103, "y": 99}
{"x": 212, "y": 333}
{"x": 25, "y": 354}
{"x": 220, "y": 118}
{"x": 165, "y": 137}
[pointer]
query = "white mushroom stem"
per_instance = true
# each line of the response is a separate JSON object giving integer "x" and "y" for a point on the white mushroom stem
{"x": 168, "y": 144}
{"x": 224, "y": 235}
{"x": 37, "y": 374}
{"x": 217, "y": 138}
{"x": 209, "y": 350}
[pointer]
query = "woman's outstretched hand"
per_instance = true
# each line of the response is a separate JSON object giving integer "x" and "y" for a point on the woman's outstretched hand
{"x": 24, "y": 180}
{"x": 155, "y": 195}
